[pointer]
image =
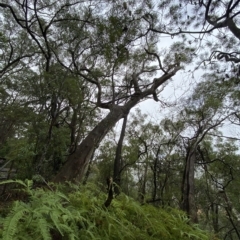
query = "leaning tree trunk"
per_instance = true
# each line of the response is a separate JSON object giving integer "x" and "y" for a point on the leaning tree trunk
{"x": 77, "y": 162}
{"x": 76, "y": 165}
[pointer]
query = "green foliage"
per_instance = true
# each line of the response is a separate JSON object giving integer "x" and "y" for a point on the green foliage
{"x": 73, "y": 212}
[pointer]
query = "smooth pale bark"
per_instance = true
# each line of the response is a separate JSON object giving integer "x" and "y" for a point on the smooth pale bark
{"x": 77, "y": 163}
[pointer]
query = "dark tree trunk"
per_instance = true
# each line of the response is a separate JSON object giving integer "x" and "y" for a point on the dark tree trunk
{"x": 110, "y": 192}
{"x": 154, "y": 169}
{"x": 188, "y": 196}
{"x": 143, "y": 183}
{"x": 214, "y": 211}
{"x": 155, "y": 175}
{"x": 118, "y": 158}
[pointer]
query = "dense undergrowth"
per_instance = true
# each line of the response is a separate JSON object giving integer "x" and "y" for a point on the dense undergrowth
{"x": 72, "y": 212}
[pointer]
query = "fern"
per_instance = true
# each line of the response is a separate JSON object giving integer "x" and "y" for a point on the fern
{"x": 44, "y": 229}
{"x": 10, "y": 225}
{"x": 27, "y": 184}
{"x": 78, "y": 214}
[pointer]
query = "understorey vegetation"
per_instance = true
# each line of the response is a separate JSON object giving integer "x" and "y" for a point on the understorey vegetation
{"x": 72, "y": 212}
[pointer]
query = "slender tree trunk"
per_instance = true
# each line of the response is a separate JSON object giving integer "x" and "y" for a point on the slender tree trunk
{"x": 155, "y": 175}
{"x": 118, "y": 158}
{"x": 188, "y": 197}
{"x": 142, "y": 190}
{"x": 154, "y": 194}
{"x": 214, "y": 213}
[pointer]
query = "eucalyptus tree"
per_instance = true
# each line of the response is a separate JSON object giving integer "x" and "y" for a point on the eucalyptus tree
{"x": 211, "y": 28}
{"x": 204, "y": 113}
{"x": 122, "y": 74}
{"x": 107, "y": 45}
